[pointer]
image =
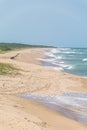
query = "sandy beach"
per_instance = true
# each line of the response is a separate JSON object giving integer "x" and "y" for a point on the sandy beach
{"x": 17, "y": 113}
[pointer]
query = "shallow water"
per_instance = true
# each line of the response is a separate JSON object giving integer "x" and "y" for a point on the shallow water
{"x": 72, "y": 105}
{"x": 71, "y": 60}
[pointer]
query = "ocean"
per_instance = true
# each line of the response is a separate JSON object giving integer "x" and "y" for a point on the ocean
{"x": 70, "y": 60}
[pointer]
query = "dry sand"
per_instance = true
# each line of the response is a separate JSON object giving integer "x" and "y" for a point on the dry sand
{"x": 20, "y": 114}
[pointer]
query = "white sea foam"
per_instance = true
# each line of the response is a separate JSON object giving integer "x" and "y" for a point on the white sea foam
{"x": 54, "y": 51}
{"x": 71, "y": 104}
{"x": 46, "y": 60}
{"x": 58, "y": 68}
{"x": 58, "y": 57}
{"x": 62, "y": 62}
{"x": 69, "y": 52}
{"x": 62, "y": 66}
{"x": 70, "y": 67}
{"x": 49, "y": 54}
{"x": 85, "y": 59}
{"x": 65, "y": 49}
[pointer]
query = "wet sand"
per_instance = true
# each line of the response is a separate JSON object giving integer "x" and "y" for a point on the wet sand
{"x": 72, "y": 105}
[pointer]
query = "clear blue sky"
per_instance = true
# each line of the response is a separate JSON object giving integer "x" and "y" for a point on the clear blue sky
{"x": 53, "y": 22}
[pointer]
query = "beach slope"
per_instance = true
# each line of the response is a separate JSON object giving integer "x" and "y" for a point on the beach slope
{"x": 21, "y": 114}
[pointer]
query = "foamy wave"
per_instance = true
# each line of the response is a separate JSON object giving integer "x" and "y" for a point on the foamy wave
{"x": 71, "y": 104}
{"x": 63, "y": 66}
{"x": 70, "y": 67}
{"x": 58, "y": 57}
{"x": 62, "y": 62}
{"x": 46, "y": 60}
{"x": 64, "y": 49}
{"x": 49, "y": 54}
{"x": 85, "y": 59}
{"x": 58, "y": 68}
{"x": 54, "y": 51}
{"x": 71, "y": 60}
{"x": 69, "y": 52}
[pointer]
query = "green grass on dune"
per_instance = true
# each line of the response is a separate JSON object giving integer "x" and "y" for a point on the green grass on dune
{"x": 8, "y": 69}
{"x": 4, "y": 47}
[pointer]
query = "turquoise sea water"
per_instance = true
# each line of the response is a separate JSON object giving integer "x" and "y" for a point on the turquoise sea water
{"x": 71, "y": 60}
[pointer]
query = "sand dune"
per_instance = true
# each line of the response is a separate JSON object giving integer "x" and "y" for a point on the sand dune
{"x": 20, "y": 114}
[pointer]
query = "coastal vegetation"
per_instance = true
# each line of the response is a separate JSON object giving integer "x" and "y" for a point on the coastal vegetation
{"x": 8, "y": 69}
{"x": 4, "y": 47}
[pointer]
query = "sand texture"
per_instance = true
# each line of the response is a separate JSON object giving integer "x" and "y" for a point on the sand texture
{"x": 17, "y": 113}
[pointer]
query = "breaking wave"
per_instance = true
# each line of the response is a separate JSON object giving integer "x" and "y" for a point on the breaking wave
{"x": 71, "y": 60}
